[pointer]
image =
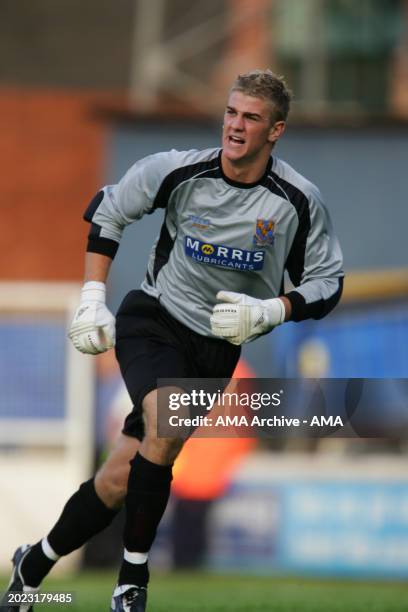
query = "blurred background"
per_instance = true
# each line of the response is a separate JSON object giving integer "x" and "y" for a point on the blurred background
{"x": 87, "y": 89}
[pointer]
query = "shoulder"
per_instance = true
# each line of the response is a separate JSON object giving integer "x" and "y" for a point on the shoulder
{"x": 295, "y": 185}
{"x": 157, "y": 176}
{"x": 164, "y": 163}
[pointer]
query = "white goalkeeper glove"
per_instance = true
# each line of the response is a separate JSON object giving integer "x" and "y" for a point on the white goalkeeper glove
{"x": 93, "y": 327}
{"x": 241, "y": 318}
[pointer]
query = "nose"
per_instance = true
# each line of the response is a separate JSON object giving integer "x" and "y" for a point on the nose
{"x": 237, "y": 122}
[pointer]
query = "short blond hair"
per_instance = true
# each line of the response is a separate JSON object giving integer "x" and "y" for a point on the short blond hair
{"x": 268, "y": 86}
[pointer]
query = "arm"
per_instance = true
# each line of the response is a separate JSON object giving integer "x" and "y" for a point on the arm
{"x": 314, "y": 263}
{"x": 110, "y": 210}
{"x": 97, "y": 267}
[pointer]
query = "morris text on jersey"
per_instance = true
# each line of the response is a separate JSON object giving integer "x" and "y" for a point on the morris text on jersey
{"x": 223, "y": 256}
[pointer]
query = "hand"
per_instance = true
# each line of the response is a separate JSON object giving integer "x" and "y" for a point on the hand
{"x": 241, "y": 318}
{"x": 93, "y": 327}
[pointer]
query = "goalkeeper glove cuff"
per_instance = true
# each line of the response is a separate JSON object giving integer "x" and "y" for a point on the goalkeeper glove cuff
{"x": 93, "y": 291}
{"x": 274, "y": 311}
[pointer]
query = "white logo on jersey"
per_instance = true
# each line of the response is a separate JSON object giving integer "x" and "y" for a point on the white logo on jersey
{"x": 223, "y": 256}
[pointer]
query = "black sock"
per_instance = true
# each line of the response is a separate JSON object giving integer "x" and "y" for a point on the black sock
{"x": 83, "y": 516}
{"x": 146, "y": 501}
{"x": 134, "y": 573}
{"x": 35, "y": 565}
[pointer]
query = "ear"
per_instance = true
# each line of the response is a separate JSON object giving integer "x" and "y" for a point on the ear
{"x": 276, "y": 131}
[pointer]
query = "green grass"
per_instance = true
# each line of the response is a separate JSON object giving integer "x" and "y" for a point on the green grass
{"x": 199, "y": 592}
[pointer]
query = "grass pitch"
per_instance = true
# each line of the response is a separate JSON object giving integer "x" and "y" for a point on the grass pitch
{"x": 200, "y": 592}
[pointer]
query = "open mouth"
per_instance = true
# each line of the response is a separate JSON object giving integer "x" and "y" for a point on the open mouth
{"x": 236, "y": 140}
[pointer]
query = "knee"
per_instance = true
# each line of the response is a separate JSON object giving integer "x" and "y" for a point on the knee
{"x": 158, "y": 450}
{"x": 162, "y": 450}
{"x": 111, "y": 484}
{"x": 170, "y": 446}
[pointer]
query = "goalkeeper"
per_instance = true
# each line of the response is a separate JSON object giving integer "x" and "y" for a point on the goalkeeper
{"x": 235, "y": 219}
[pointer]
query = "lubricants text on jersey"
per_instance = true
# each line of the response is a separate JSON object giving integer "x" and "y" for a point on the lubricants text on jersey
{"x": 223, "y": 256}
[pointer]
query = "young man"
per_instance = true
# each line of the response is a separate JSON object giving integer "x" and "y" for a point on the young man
{"x": 235, "y": 219}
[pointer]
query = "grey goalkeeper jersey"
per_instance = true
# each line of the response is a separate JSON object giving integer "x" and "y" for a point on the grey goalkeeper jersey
{"x": 218, "y": 234}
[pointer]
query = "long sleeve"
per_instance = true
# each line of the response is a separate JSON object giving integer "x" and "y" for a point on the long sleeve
{"x": 116, "y": 206}
{"x": 314, "y": 262}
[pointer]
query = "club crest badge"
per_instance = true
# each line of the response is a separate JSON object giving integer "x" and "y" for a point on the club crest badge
{"x": 264, "y": 232}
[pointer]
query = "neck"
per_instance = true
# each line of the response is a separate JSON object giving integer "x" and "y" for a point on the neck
{"x": 244, "y": 171}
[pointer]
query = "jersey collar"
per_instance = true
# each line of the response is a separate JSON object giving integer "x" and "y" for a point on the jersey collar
{"x": 240, "y": 185}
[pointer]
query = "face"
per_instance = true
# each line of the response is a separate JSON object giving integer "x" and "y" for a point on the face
{"x": 248, "y": 132}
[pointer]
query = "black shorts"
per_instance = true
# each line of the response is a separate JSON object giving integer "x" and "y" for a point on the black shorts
{"x": 151, "y": 344}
